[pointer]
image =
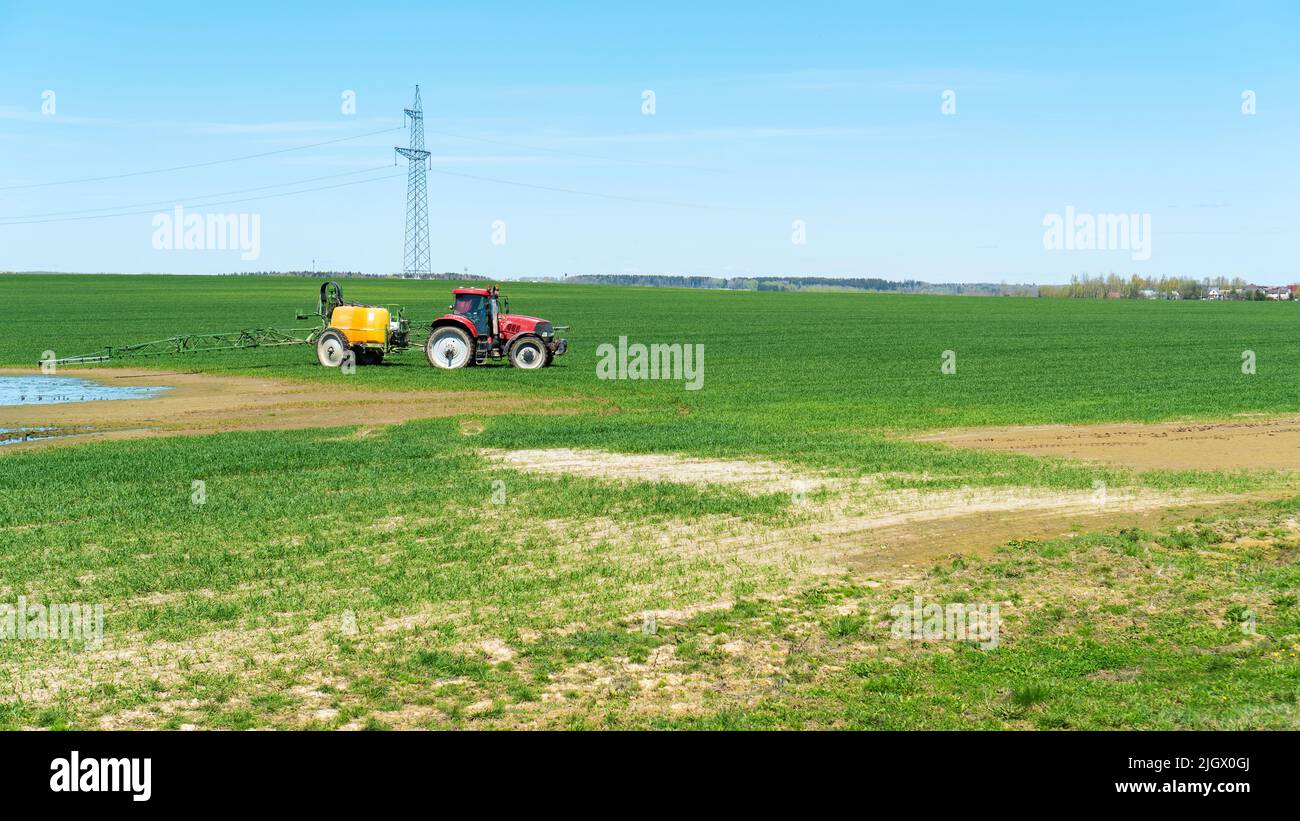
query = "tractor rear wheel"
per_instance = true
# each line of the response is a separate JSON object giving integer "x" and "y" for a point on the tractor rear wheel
{"x": 528, "y": 353}
{"x": 449, "y": 348}
{"x": 332, "y": 348}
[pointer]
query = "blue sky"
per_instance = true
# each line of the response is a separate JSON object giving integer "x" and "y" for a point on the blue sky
{"x": 827, "y": 113}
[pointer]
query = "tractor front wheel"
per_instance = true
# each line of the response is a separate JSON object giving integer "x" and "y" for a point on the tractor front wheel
{"x": 332, "y": 348}
{"x": 449, "y": 348}
{"x": 528, "y": 353}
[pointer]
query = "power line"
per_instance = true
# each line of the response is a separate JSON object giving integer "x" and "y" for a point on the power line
{"x": 629, "y": 160}
{"x": 580, "y": 192}
{"x": 199, "y": 164}
{"x": 207, "y": 204}
{"x": 54, "y": 217}
{"x": 191, "y": 198}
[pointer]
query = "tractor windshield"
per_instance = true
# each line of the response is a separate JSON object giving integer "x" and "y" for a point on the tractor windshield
{"x": 467, "y": 304}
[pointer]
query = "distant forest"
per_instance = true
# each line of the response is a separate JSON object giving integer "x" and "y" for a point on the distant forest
{"x": 450, "y": 275}
{"x": 909, "y": 286}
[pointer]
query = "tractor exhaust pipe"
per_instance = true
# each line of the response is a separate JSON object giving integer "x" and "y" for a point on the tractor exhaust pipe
{"x": 496, "y": 330}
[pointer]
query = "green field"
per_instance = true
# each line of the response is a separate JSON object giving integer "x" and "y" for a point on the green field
{"x": 816, "y": 361}
{"x": 300, "y": 595}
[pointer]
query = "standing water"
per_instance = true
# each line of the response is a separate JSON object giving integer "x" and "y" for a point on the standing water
{"x": 53, "y": 390}
{"x": 56, "y": 390}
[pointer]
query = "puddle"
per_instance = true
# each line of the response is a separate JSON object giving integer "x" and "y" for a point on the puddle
{"x": 57, "y": 390}
{"x": 16, "y": 436}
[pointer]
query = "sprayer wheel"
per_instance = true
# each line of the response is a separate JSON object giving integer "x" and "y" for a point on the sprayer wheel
{"x": 332, "y": 348}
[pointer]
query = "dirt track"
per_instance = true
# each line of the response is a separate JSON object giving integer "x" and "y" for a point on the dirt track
{"x": 204, "y": 403}
{"x": 862, "y": 524}
{"x": 1243, "y": 443}
{"x": 751, "y": 475}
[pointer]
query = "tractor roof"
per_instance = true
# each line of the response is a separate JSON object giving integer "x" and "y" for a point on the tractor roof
{"x": 475, "y": 291}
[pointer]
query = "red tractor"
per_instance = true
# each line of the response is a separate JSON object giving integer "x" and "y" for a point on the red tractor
{"x": 477, "y": 329}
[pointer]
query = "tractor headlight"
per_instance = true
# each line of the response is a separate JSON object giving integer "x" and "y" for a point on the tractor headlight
{"x": 544, "y": 329}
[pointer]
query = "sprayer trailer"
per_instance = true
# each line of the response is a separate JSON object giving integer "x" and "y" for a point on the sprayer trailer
{"x": 366, "y": 332}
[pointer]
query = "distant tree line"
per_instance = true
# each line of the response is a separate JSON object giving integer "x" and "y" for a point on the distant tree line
{"x": 743, "y": 283}
{"x": 769, "y": 283}
{"x": 451, "y": 275}
{"x": 1113, "y": 286}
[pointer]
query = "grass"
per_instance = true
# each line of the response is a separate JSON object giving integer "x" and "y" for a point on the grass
{"x": 279, "y": 604}
{"x": 1165, "y": 660}
{"x": 334, "y": 581}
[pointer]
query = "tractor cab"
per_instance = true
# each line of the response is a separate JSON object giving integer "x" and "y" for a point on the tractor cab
{"x": 477, "y": 305}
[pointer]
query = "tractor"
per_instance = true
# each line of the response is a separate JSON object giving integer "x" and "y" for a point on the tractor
{"x": 477, "y": 329}
{"x": 474, "y": 331}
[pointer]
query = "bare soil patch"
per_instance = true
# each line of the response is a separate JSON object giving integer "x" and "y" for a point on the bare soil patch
{"x": 906, "y": 547}
{"x": 1244, "y": 443}
{"x": 748, "y": 475}
{"x": 861, "y": 525}
{"x": 207, "y": 403}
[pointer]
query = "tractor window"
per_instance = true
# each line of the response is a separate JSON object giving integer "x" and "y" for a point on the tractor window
{"x": 467, "y": 304}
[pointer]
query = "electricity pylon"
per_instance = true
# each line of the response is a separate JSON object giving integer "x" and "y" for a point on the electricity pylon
{"x": 415, "y": 256}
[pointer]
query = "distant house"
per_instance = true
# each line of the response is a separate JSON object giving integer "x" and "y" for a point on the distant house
{"x": 1214, "y": 293}
{"x": 1278, "y": 292}
{"x": 1148, "y": 293}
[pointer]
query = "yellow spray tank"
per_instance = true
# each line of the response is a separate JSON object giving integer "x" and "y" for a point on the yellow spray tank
{"x": 361, "y": 324}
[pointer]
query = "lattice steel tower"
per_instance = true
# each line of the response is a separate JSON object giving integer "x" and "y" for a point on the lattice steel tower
{"x": 415, "y": 257}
